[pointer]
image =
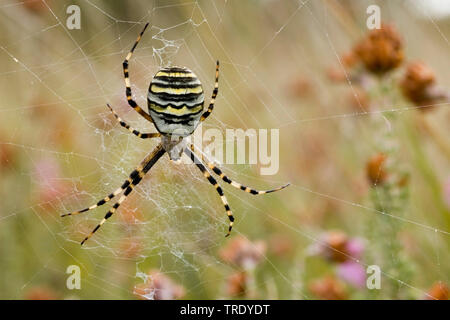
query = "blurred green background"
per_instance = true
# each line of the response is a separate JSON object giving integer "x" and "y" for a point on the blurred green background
{"x": 283, "y": 66}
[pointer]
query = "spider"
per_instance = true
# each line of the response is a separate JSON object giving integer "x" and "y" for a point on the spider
{"x": 175, "y": 103}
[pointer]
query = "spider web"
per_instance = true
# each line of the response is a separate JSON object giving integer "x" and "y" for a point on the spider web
{"x": 55, "y": 116}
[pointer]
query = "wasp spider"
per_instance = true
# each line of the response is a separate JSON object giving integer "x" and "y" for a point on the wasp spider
{"x": 175, "y": 103}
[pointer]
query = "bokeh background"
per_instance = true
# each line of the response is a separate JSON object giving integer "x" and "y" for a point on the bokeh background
{"x": 364, "y": 140}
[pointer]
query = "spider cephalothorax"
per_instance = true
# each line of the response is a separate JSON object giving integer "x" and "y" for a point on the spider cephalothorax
{"x": 175, "y": 102}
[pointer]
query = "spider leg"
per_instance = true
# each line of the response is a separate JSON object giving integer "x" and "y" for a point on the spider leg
{"x": 213, "y": 181}
{"x": 214, "y": 95}
{"x": 110, "y": 211}
{"x": 134, "y": 179}
{"x": 235, "y": 184}
{"x": 104, "y": 200}
{"x": 130, "y": 100}
{"x": 132, "y": 130}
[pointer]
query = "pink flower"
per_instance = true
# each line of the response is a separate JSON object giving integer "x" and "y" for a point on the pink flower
{"x": 353, "y": 273}
{"x": 338, "y": 247}
{"x": 49, "y": 179}
{"x": 355, "y": 247}
{"x": 243, "y": 252}
{"x": 158, "y": 286}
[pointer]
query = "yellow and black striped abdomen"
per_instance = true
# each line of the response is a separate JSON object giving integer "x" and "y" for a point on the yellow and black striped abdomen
{"x": 175, "y": 101}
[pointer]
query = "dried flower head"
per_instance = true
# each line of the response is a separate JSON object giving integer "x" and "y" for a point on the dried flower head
{"x": 338, "y": 247}
{"x": 381, "y": 50}
{"x": 35, "y": 6}
{"x": 243, "y": 252}
{"x": 349, "y": 59}
{"x": 419, "y": 85}
{"x": 301, "y": 87}
{"x": 281, "y": 245}
{"x": 237, "y": 284}
{"x": 328, "y": 288}
{"x": 41, "y": 293}
{"x": 439, "y": 291}
{"x": 376, "y": 169}
{"x": 336, "y": 242}
{"x": 8, "y": 156}
{"x": 158, "y": 287}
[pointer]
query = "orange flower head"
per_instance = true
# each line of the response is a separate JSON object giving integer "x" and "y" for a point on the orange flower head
{"x": 337, "y": 245}
{"x": 419, "y": 85}
{"x": 381, "y": 51}
{"x": 439, "y": 291}
{"x": 376, "y": 171}
{"x": 328, "y": 288}
{"x": 41, "y": 293}
{"x": 237, "y": 284}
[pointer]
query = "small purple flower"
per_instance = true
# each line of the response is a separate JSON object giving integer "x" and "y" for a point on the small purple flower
{"x": 353, "y": 273}
{"x": 49, "y": 179}
{"x": 338, "y": 247}
{"x": 355, "y": 247}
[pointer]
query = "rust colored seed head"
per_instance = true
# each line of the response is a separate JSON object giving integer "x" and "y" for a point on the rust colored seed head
{"x": 301, "y": 87}
{"x": 337, "y": 243}
{"x": 8, "y": 156}
{"x": 418, "y": 84}
{"x": 243, "y": 252}
{"x": 34, "y": 6}
{"x": 41, "y": 293}
{"x": 349, "y": 59}
{"x": 328, "y": 288}
{"x": 376, "y": 171}
{"x": 439, "y": 291}
{"x": 237, "y": 284}
{"x": 381, "y": 51}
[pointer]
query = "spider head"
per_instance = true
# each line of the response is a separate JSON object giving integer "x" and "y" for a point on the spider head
{"x": 175, "y": 101}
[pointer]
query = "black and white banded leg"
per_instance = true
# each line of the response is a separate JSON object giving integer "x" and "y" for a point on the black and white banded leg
{"x": 134, "y": 179}
{"x": 104, "y": 200}
{"x": 130, "y": 100}
{"x": 213, "y": 181}
{"x": 214, "y": 95}
{"x": 131, "y": 129}
{"x": 235, "y": 184}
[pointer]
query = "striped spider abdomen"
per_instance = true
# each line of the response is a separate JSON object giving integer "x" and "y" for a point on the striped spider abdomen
{"x": 175, "y": 101}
